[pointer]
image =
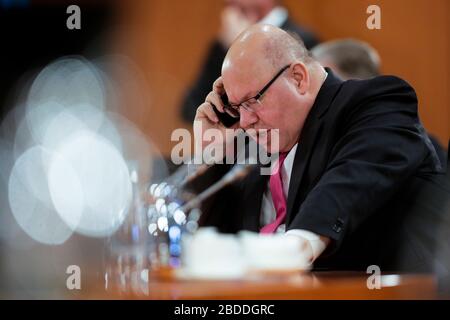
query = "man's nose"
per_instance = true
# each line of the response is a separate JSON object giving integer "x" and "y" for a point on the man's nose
{"x": 247, "y": 118}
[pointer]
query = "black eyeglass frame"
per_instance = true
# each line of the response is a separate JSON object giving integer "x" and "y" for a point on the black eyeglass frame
{"x": 257, "y": 97}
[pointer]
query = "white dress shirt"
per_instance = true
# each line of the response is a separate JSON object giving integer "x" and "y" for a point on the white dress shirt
{"x": 276, "y": 17}
{"x": 268, "y": 213}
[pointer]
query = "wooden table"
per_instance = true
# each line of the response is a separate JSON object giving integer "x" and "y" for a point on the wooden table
{"x": 315, "y": 285}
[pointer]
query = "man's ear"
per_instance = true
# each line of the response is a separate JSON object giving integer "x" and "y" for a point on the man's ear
{"x": 301, "y": 76}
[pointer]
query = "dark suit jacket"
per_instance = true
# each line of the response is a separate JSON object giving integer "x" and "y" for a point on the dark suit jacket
{"x": 363, "y": 174}
{"x": 211, "y": 70}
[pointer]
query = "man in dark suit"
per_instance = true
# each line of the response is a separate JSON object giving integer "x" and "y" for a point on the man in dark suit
{"x": 354, "y": 158}
{"x": 237, "y": 15}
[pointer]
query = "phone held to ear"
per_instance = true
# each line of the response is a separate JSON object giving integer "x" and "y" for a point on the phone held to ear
{"x": 226, "y": 119}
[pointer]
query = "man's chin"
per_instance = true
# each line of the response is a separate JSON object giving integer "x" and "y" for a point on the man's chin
{"x": 265, "y": 141}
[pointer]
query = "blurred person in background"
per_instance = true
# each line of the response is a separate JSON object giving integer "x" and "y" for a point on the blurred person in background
{"x": 236, "y": 16}
{"x": 439, "y": 196}
{"x": 349, "y": 58}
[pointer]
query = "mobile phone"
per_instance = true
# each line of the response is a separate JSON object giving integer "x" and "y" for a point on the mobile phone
{"x": 227, "y": 120}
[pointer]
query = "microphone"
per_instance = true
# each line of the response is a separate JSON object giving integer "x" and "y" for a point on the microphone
{"x": 182, "y": 176}
{"x": 179, "y": 179}
{"x": 238, "y": 172}
{"x": 199, "y": 170}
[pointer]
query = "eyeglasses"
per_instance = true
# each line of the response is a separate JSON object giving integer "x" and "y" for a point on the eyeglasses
{"x": 249, "y": 104}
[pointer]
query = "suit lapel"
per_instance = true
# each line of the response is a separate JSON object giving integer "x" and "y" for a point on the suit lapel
{"x": 310, "y": 133}
{"x": 301, "y": 160}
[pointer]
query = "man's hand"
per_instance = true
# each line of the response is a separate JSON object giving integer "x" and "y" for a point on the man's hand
{"x": 233, "y": 23}
{"x": 206, "y": 119}
{"x": 312, "y": 244}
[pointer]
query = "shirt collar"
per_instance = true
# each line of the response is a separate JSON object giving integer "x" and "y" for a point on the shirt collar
{"x": 276, "y": 17}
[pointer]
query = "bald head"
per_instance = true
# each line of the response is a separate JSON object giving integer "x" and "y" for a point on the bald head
{"x": 265, "y": 55}
{"x": 265, "y": 46}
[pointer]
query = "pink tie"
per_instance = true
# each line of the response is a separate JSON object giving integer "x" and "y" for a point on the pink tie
{"x": 278, "y": 197}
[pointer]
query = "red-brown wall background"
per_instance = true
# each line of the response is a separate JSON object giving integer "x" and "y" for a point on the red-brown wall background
{"x": 167, "y": 40}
